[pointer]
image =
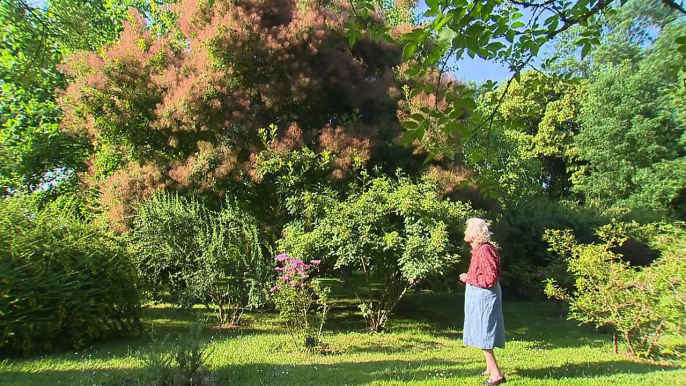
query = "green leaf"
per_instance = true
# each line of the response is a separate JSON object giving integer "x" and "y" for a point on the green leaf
{"x": 431, "y": 156}
{"x": 447, "y": 34}
{"x": 551, "y": 19}
{"x": 408, "y": 137}
{"x": 553, "y": 26}
{"x": 470, "y": 103}
{"x": 510, "y": 35}
{"x": 388, "y": 39}
{"x": 495, "y": 46}
{"x": 409, "y": 50}
{"x": 585, "y": 50}
{"x": 415, "y": 35}
{"x": 682, "y": 49}
{"x": 475, "y": 29}
{"x": 410, "y": 125}
{"x": 420, "y": 133}
{"x": 413, "y": 70}
{"x": 518, "y": 24}
{"x": 681, "y": 40}
{"x": 433, "y": 4}
{"x": 417, "y": 117}
{"x": 442, "y": 21}
{"x": 352, "y": 39}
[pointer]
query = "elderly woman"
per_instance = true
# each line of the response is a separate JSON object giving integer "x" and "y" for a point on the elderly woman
{"x": 484, "y": 325}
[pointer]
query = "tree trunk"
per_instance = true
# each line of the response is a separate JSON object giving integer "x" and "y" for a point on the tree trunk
{"x": 631, "y": 345}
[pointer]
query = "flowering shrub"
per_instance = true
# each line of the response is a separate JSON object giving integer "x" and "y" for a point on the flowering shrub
{"x": 301, "y": 301}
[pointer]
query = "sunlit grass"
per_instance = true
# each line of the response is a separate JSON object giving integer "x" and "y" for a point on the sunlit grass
{"x": 422, "y": 347}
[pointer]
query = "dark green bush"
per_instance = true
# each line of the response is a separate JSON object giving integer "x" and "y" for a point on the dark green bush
{"x": 519, "y": 232}
{"x": 63, "y": 282}
{"x": 198, "y": 255}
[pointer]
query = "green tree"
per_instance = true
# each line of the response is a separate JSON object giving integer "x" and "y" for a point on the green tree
{"x": 528, "y": 149}
{"x": 491, "y": 30}
{"x": 632, "y": 136}
{"x": 36, "y": 155}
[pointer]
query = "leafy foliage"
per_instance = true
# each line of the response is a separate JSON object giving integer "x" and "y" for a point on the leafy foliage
{"x": 520, "y": 231}
{"x": 640, "y": 303}
{"x": 530, "y": 145}
{"x": 63, "y": 282}
{"x": 188, "y": 118}
{"x": 626, "y": 141}
{"x": 198, "y": 255}
{"x": 397, "y": 233}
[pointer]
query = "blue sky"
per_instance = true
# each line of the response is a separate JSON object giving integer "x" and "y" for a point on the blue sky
{"x": 478, "y": 69}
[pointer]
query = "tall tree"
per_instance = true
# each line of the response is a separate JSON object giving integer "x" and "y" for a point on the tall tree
{"x": 190, "y": 119}
{"x": 529, "y": 146}
{"x": 632, "y": 136}
{"x": 34, "y": 39}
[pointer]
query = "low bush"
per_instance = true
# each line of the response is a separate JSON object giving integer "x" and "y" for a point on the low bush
{"x": 639, "y": 303}
{"x": 199, "y": 255}
{"x": 63, "y": 281}
{"x": 395, "y": 232}
{"x": 168, "y": 361}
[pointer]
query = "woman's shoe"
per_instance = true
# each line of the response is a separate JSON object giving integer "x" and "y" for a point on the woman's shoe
{"x": 490, "y": 382}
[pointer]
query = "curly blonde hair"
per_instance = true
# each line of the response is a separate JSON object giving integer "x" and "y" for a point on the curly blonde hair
{"x": 480, "y": 227}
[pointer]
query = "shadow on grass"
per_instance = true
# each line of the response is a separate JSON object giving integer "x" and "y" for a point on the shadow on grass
{"x": 347, "y": 373}
{"x": 401, "y": 345}
{"x": 535, "y": 322}
{"x": 593, "y": 369}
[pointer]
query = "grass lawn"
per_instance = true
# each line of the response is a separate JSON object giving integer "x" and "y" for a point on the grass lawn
{"x": 422, "y": 347}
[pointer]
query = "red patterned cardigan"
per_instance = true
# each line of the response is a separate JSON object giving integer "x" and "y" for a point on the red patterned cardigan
{"x": 484, "y": 269}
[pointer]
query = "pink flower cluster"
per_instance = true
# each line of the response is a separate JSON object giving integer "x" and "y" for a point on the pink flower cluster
{"x": 293, "y": 272}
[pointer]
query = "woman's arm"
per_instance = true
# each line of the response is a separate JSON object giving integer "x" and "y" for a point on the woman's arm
{"x": 484, "y": 271}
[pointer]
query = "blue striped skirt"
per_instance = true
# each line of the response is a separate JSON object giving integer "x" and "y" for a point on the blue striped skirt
{"x": 484, "y": 324}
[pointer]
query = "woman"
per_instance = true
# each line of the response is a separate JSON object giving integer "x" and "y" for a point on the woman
{"x": 484, "y": 325}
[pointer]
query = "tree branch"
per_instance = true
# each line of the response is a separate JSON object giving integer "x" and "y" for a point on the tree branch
{"x": 675, "y": 6}
{"x": 528, "y": 4}
{"x": 600, "y": 6}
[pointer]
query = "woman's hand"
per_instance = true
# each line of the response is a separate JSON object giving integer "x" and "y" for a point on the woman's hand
{"x": 463, "y": 277}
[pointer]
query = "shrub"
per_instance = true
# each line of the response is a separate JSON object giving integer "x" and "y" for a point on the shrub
{"x": 640, "y": 303}
{"x": 167, "y": 362}
{"x": 200, "y": 255}
{"x": 63, "y": 282}
{"x": 396, "y": 232}
{"x": 519, "y": 232}
{"x": 300, "y": 299}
